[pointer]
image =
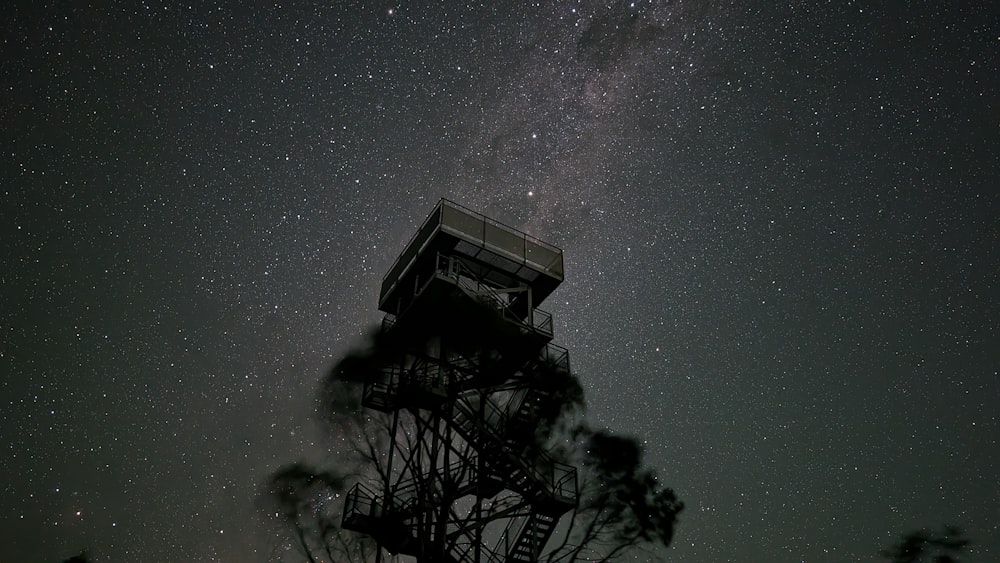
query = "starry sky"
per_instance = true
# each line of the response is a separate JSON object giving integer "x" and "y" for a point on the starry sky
{"x": 780, "y": 224}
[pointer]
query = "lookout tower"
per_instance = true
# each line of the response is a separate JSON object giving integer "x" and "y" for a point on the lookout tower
{"x": 465, "y": 475}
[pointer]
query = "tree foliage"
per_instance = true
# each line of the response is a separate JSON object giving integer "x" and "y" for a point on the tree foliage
{"x": 927, "y": 545}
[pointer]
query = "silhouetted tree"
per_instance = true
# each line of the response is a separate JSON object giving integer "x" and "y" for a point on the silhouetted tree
{"x": 622, "y": 506}
{"x": 919, "y": 545}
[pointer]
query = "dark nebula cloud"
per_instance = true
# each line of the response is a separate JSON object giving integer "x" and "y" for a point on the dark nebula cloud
{"x": 614, "y": 36}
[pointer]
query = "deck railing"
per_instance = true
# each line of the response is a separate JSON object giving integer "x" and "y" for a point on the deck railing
{"x": 455, "y": 269}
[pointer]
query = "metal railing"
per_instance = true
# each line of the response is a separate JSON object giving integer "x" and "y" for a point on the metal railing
{"x": 528, "y": 250}
{"x": 361, "y": 502}
{"x": 455, "y": 269}
{"x": 555, "y": 479}
{"x": 553, "y": 355}
{"x": 509, "y": 538}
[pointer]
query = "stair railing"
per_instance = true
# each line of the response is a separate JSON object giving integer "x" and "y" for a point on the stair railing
{"x": 508, "y": 539}
{"x": 554, "y": 478}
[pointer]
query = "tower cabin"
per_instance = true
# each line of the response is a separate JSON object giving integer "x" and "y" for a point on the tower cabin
{"x": 458, "y": 253}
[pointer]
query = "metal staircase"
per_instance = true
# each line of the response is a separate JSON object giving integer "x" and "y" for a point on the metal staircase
{"x": 547, "y": 485}
{"x": 534, "y": 534}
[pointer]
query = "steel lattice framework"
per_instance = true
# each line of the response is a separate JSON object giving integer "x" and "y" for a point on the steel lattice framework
{"x": 464, "y": 477}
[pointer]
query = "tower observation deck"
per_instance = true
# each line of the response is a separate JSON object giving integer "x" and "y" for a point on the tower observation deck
{"x": 479, "y": 248}
{"x": 466, "y": 476}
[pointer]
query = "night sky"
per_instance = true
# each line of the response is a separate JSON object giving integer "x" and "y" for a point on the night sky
{"x": 780, "y": 223}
